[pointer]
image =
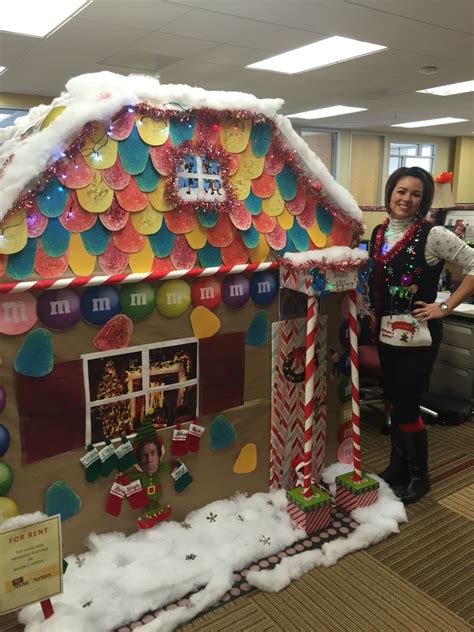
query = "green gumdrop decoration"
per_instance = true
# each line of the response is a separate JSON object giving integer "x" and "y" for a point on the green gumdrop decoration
{"x": 222, "y": 433}
{"x": 35, "y": 356}
{"x": 257, "y": 333}
{"x": 61, "y": 499}
{"x": 6, "y": 478}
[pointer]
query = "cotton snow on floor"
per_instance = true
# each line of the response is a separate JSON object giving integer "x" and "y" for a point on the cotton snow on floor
{"x": 119, "y": 578}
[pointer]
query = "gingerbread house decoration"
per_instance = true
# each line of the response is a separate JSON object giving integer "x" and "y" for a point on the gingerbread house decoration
{"x": 142, "y": 229}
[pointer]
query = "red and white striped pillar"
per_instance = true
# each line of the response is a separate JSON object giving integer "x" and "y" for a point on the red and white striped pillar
{"x": 311, "y": 320}
{"x": 353, "y": 339}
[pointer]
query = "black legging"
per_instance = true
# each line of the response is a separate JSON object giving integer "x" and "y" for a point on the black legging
{"x": 405, "y": 377}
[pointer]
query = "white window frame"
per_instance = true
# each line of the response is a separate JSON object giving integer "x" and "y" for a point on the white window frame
{"x": 146, "y": 389}
{"x": 418, "y": 154}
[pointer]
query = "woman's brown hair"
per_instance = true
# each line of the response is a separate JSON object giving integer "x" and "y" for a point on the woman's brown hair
{"x": 414, "y": 172}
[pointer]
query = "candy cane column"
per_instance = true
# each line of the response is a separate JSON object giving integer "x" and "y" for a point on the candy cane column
{"x": 357, "y": 475}
{"x": 311, "y": 319}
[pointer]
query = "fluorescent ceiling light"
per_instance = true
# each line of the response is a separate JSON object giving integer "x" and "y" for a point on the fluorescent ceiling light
{"x": 324, "y": 53}
{"x": 439, "y": 121}
{"x": 452, "y": 88}
{"x": 2, "y": 69}
{"x": 334, "y": 110}
{"x": 38, "y": 17}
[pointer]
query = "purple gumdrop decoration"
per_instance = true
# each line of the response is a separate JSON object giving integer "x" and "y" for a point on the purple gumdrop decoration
{"x": 406, "y": 279}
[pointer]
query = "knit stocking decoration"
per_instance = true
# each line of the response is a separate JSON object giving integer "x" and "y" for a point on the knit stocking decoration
{"x": 113, "y": 504}
{"x": 92, "y": 464}
{"x": 135, "y": 494}
{"x": 125, "y": 455}
{"x": 108, "y": 457}
{"x": 178, "y": 441}
{"x": 195, "y": 433}
{"x": 181, "y": 476}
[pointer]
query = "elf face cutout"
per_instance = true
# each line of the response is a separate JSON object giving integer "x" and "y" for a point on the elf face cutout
{"x": 149, "y": 458}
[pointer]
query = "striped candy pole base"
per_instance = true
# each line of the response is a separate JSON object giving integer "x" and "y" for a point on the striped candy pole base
{"x": 311, "y": 320}
{"x": 351, "y": 494}
{"x": 355, "y": 385}
{"x": 311, "y": 513}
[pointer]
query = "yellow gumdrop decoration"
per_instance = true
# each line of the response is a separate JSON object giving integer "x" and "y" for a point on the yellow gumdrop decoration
{"x": 152, "y": 131}
{"x": 317, "y": 237}
{"x": 52, "y": 116}
{"x": 235, "y": 134}
{"x": 8, "y": 508}
{"x": 250, "y": 166}
{"x": 260, "y": 252}
{"x": 141, "y": 261}
{"x": 246, "y": 462}
{"x": 80, "y": 261}
{"x": 204, "y": 322}
{"x": 285, "y": 219}
{"x": 240, "y": 185}
{"x": 13, "y": 232}
{"x": 97, "y": 196}
{"x": 273, "y": 205}
{"x": 99, "y": 150}
{"x": 157, "y": 197}
{"x": 173, "y": 298}
{"x": 148, "y": 221}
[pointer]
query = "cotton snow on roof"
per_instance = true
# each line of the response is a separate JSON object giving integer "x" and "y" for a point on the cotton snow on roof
{"x": 99, "y": 96}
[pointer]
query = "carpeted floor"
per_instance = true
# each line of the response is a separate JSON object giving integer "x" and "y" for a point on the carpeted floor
{"x": 419, "y": 580}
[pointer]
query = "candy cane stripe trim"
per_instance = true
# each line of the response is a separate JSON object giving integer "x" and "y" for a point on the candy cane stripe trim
{"x": 134, "y": 277}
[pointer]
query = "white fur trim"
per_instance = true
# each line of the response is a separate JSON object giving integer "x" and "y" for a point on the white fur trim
{"x": 98, "y": 96}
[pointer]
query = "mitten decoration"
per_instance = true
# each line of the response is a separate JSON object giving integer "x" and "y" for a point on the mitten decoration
{"x": 178, "y": 441}
{"x": 108, "y": 457}
{"x": 92, "y": 464}
{"x": 195, "y": 433}
{"x": 113, "y": 504}
{"x": 135, "y": 494}
{"x": 125, "y": 455}
{"x": 181, "y": 476}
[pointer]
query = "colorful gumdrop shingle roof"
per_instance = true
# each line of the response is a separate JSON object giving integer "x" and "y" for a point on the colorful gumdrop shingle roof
{"x": 123, "y": 174}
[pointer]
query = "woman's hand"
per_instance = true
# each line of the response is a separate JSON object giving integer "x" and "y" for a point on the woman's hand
{"x": 427, "y": 311}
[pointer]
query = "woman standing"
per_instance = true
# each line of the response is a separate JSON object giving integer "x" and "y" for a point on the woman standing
{"x": 409, "y": 253}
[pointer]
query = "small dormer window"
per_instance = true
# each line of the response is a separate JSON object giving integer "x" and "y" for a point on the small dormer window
{"x": 199, "y": 179}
